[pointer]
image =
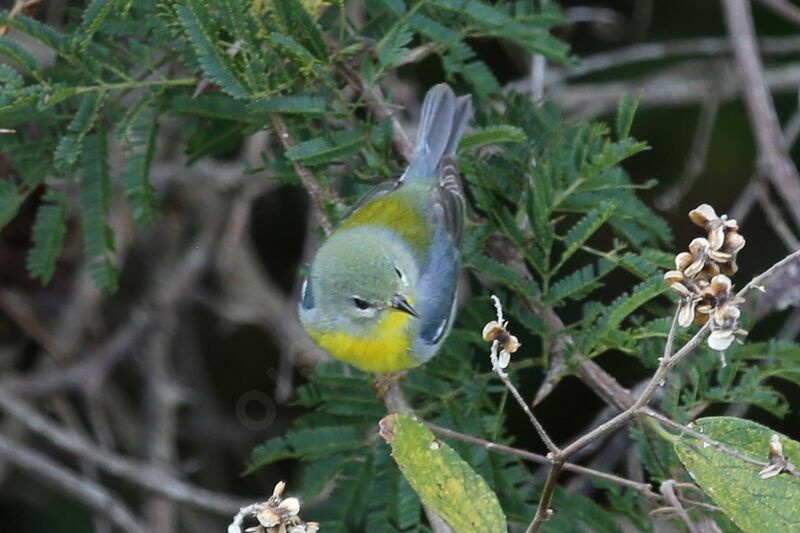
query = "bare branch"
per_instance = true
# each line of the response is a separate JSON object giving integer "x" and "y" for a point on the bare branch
{"x": 396, "y": 402}
{"x": 306, "y": 176}
{"x": 93, "y": 495}
{"x": 144, "y": 475}
{"x": 510, "y": 386}
{"x": 668, "y": 491}
{"x": 644, "y": 488}
{"x": 689, "y": 83}
{"x": 664, "y": 50}
{"x": 772, "y": 147}
{"x": 783, "y": 8}
{"x": 696, "y": 161}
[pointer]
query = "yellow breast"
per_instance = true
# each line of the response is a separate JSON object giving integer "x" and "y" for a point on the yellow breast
{"x": 385, "y": 349}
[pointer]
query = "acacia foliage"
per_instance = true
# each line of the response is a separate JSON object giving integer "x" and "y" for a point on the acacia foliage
{"x": 544, "y": 191}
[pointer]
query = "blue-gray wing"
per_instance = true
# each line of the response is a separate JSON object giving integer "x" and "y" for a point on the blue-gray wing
{"x": 436, "y": 291}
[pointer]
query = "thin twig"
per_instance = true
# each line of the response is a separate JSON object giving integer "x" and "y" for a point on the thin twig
{"x": 696, "y": 161}
{"x": 543, "y": 511}
{"x": 747, "y": 198}
{"x": 377, "y": 104}
{"x": 95, "y": 496}
{"x": 709, "y": 441}
{"x": 772, "y": 147}
{"x": 510, "y": 386}
{"x": 758, "y": 281}
{"x": 667, "y": 489}
{"x": 784, "y": 8}
{"x": 691, "y": 82}
{"x": 396, "y": 402}
{"x": 776, "y": 220}
{"x": 667, "y": 362}
{"x": 246, "y": 511}
{"x": 664, "y": 50}
{"x": 644, "y": 488}
{"x": 306, "y": 176}
{"x": 538, "y": 65}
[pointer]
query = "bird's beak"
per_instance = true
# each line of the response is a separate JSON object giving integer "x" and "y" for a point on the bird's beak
{"x": 400, "y": 303}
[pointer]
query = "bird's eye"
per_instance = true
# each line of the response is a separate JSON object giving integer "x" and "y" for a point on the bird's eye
{"x": 399, "y": 274}
{"x": 361, "y": 304}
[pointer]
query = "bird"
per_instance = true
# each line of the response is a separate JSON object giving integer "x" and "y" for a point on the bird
{"x": 380, "y": 293}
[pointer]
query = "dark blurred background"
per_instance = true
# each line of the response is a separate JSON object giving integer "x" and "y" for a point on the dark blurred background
{"x": 231, "y": 367}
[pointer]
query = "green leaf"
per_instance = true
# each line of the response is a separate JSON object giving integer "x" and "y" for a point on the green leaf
{"x": 325, "y": 149}
{"x": 216, "y": 63}
{"x": 95, "y": 202}
{"x": 752, "y": 503}
{"x": 70, "y": 146}
{"x": 93, "y": 16}
{"x": 443, "y": 481}
{"x": 499, "y": 133}
{"x": 294, "y": 104}
{"x": 626, "y": 304}
{"x": 583, "y": 230}
{"x": 33, "y": 28}
{"x": 215, "y": 106}
{"x": 10, "y": 201}
{"x": 136, "y": 173}
{"x": 321, "y": 442}
{"x": 392, "y": 47}
{"x": 48, "y": 238}
{"x": 275, "y": 449}
{"x": 434, "y": 31}
{"x": 104, "y": 275}
{"x": 574, "y": 286}
{"x": 295, "y": 21}
{"x": 19, "y": 54}
{"x": 625, "y": 112}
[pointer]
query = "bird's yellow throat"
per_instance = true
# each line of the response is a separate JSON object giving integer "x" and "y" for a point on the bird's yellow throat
{"x": 385, "y": 349}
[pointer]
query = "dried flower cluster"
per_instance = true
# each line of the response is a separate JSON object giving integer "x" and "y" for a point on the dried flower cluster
{"x": 280, "y": 515}
{"x": 777, "y": 461}
{"x": 496, "y": 331}
{"x": 701, "y": 278}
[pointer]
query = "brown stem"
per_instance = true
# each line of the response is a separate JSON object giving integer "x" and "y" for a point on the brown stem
{"x": 772, "y": 150}
{"x": 306, "y": 176}
{"x": 396, "y": 402}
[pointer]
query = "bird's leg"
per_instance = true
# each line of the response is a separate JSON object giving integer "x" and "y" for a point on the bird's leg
{"x": 383, "y": 382}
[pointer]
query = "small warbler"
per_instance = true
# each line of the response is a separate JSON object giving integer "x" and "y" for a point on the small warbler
{"x": 381, "y": 289}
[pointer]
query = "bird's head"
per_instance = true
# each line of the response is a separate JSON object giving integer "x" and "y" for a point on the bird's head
{"x": 359, "y": 278}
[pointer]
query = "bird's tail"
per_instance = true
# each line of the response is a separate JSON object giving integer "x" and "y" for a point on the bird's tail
{"x": 442, "y": 123}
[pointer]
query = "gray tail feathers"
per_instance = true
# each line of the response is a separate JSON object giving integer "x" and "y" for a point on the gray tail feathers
{"x": 442, "y": 123}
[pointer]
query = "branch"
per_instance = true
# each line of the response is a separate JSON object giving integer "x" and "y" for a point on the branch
{"x": 510, "y": 386}
{"x": 772, "y": 150}
{"x": 784, "y": 8}
{"x": 668, "y": 491}
{"x": 690, "y": 83}
{"x": 396, "y": 402}
{"x": 644, "y": 488}
{"x": 709, "y": 441}
{"x": 747, "y": 198}
{"x": 696, "y": 161}
{"x": 144, "y": 475}
{"x": 666, "y": 363}
{"x": 93, "y": 495}
{"x": 306, "y": 176}
{"x": 664, "y": 50}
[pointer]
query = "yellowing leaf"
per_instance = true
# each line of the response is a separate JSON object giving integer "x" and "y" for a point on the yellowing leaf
{"x": 443, "y": 481}
{"x": 752, "y": 503}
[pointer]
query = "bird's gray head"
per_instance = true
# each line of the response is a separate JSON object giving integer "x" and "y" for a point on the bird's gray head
{"x": 357, "y": 278}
